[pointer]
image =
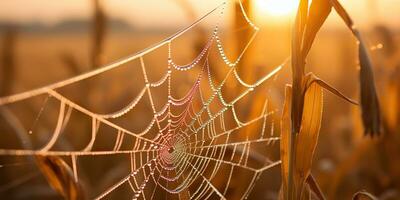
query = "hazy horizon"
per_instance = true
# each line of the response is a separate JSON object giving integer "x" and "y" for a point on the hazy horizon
{"x": 152, "y": 13}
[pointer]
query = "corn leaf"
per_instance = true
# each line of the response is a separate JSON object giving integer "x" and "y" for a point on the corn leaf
{"x": 307, "y": 138}
{"x": 284, "y": 141}
{"x": 60, "y": 177}
{"x": 311, "y": 78}
{"x": 369, "y": 100}
{"x": 297, "y": 41}
{"x": 319, "y": 11}
{"x": 343, "y": 14}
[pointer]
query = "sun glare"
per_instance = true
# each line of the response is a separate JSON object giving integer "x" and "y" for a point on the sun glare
{"x": 276, "y": 7}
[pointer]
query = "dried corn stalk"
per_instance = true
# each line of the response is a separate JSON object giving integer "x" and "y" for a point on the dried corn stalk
{"x": 298, "y": 145}
{"x": 304, "y": 144}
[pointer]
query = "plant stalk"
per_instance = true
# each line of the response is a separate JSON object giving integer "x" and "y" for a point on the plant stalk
{"x": 292, "y": 144}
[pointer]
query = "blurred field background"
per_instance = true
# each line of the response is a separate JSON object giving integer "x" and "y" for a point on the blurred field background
{"x": 42, "y": 42}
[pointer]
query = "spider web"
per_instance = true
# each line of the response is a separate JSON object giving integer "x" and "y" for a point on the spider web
{"x": 187, "y": 144}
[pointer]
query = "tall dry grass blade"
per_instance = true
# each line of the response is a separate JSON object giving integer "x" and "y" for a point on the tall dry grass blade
{"x": 363, "y": 195}
{"x": 8, "y": 60}
{"x": 60, "y": 177}
{"x": 307, "y": 138}
{"x": 369, "y": 100}
{"x": 284, "y": 142}
{"x": 99, "y": 32}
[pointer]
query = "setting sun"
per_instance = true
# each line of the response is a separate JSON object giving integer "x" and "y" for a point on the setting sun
{"x": 276, "y": 7}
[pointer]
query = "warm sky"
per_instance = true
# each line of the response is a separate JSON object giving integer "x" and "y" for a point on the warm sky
{"x": 164, "y": 13}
